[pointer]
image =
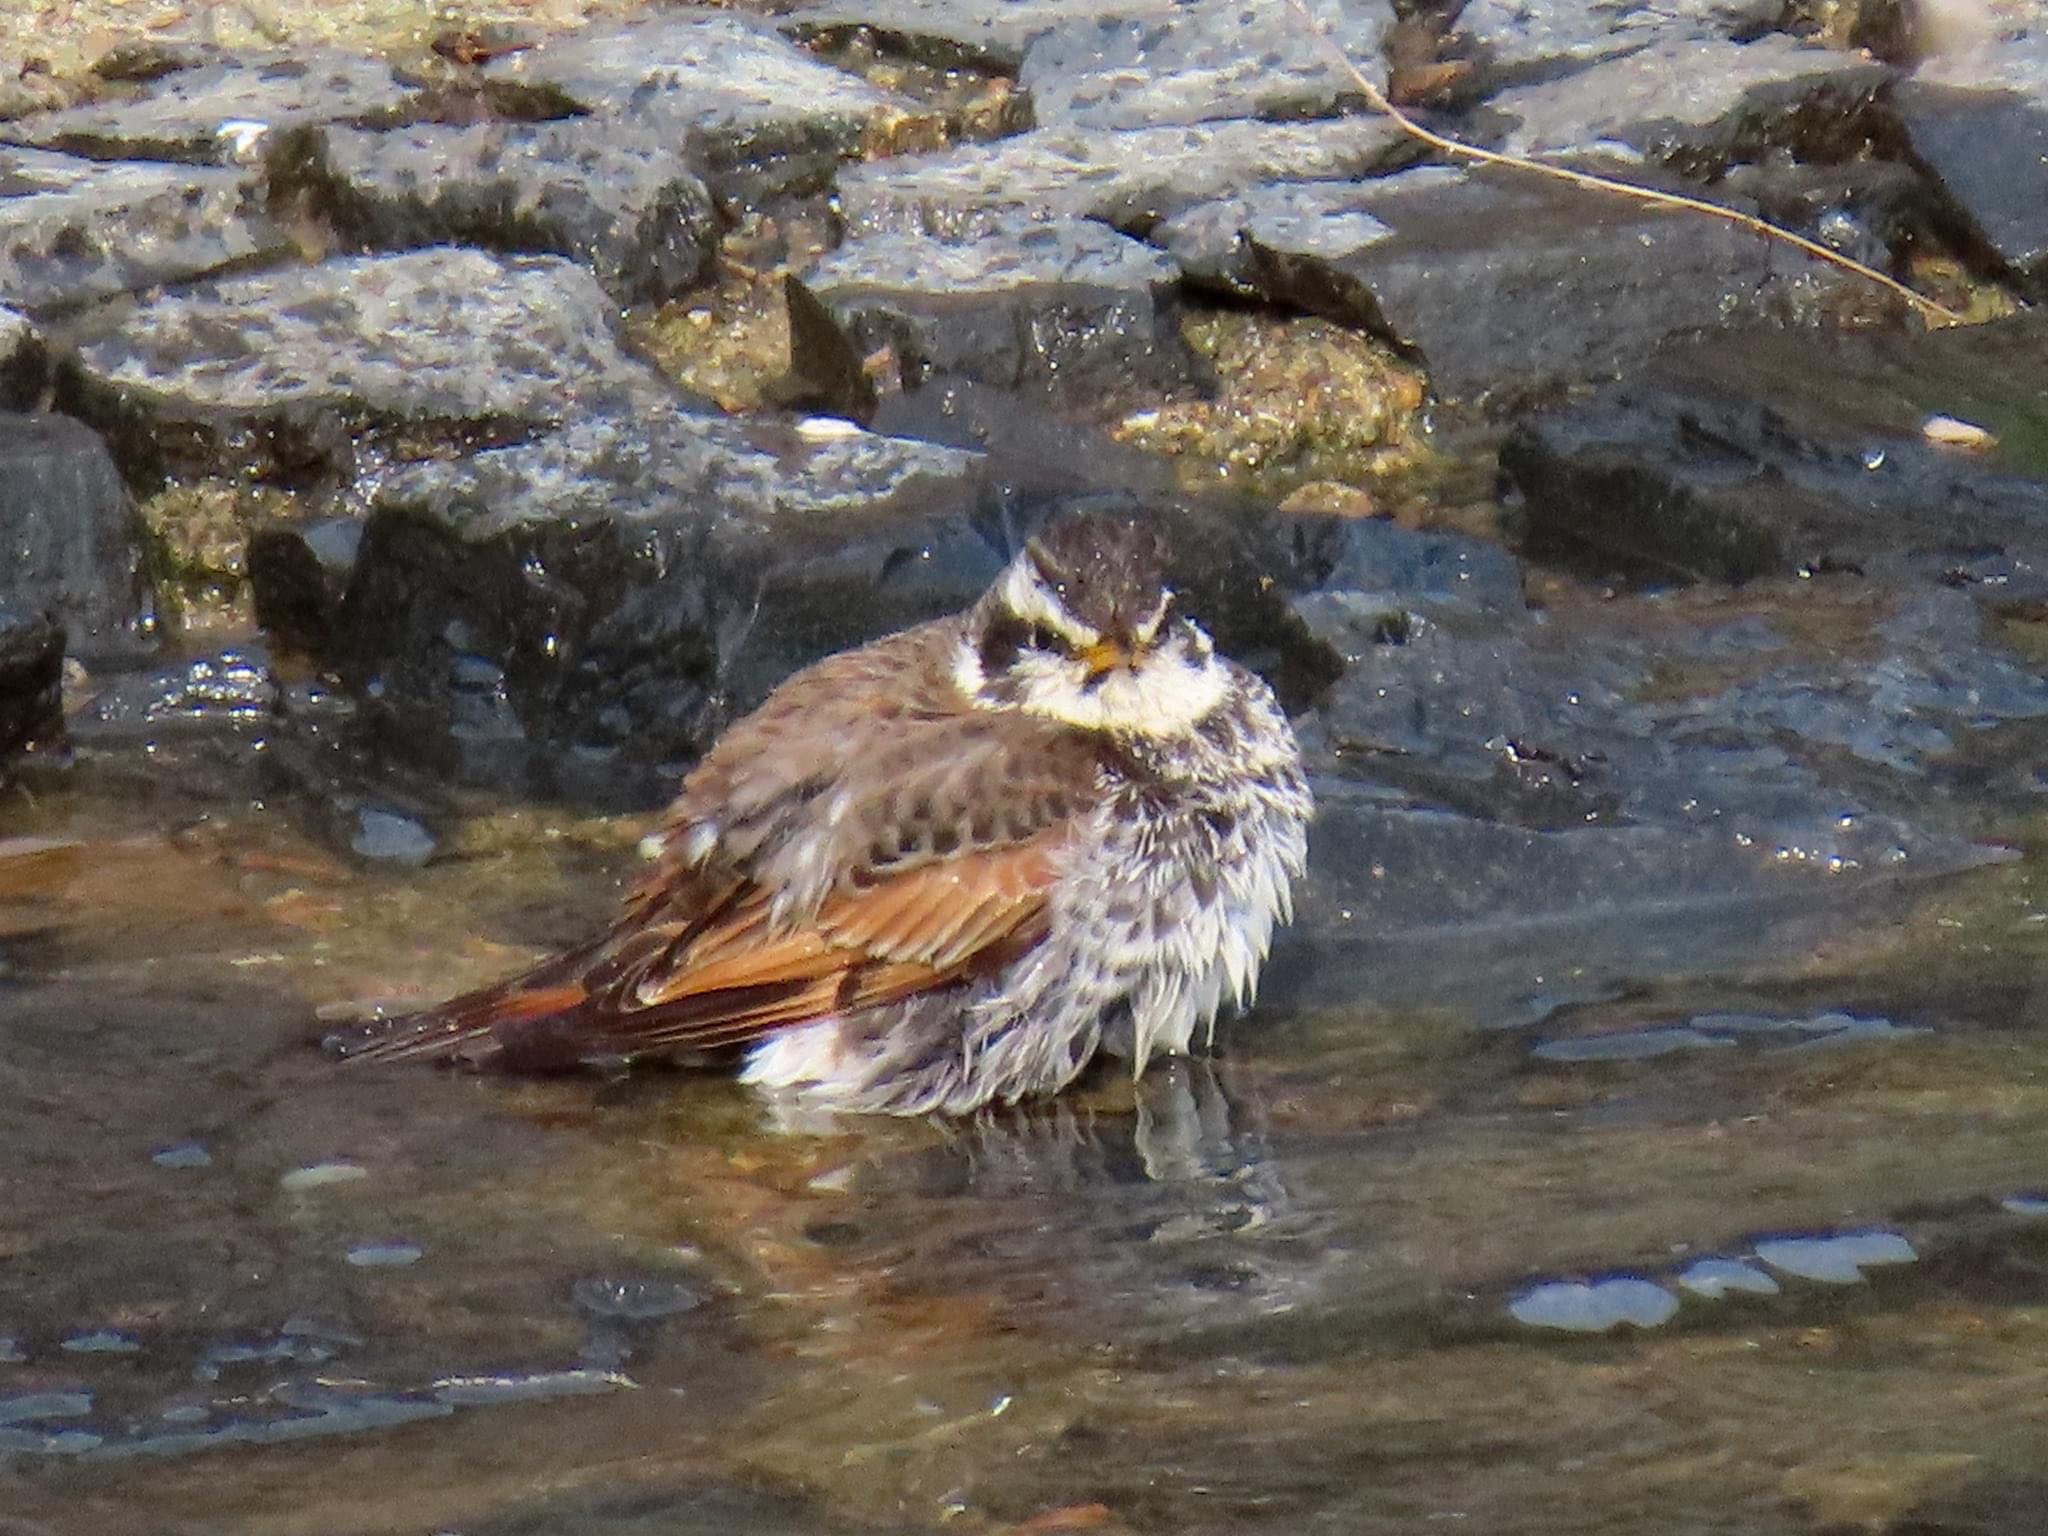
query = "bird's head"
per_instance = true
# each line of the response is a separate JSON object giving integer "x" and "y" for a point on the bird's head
{"x": 1079, "y": 628}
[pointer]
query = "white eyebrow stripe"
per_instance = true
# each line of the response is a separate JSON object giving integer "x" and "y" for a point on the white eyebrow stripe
{"x": 1025, "y": 596}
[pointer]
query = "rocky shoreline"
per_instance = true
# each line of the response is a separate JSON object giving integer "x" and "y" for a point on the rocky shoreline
{"x": 386, "y": 321}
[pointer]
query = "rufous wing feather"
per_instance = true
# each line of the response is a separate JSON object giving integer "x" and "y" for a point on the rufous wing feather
{"x": 706, "y": 966}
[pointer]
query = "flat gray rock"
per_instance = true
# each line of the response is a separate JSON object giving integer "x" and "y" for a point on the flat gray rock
{"x": 619, "y": 196}
{"x": 1070, "y": 309}
{"x": 219, "y": 112}
{"x": 302, "y": 372}
{"x": 1977, "y": 123}
{"x": 1515, "y": 41}
{"x": 74, "y": 230}
{"x": 579, "y": 610}
{"x": 74, "y": 546}
{"x": 1128, "y": 179}
{"x": 1204, "y": 60}
{"x": 1698, "y": 104}
{"x": 1586, "y": 283}
{"x": 979, "y": 34}
{"x": 734, "y": 92}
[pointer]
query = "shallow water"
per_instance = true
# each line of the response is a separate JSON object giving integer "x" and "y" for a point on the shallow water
{"x": 1749, "y": 1248}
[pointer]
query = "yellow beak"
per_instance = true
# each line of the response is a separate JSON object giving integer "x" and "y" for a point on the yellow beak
{"x": 1106, "y": 655}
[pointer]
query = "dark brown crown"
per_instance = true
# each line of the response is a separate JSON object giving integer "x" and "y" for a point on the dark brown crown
{"x": 1109, "y": 568}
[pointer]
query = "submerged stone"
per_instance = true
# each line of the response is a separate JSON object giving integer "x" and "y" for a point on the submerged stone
{"x": 1203, "y": 60}
{"x": 1630, "y": 1045}
{"x": 538, "y": 1387}
{"x": 70, "y": 543}
{"x": 1699, "y": 483}
{"x": 1716, "y": 1279}
{"x": 102, "y": 1341}
{"x": 24, "y": 361}
{"x": 389, "y": 837}
{"x": 320, "y": 1176}
{"x": 1599, "y": 1306}
{"x": 385, "y": 1255}
{"x": 1836, "y": 1258}
{"x": 74, "y": 230}
{"x": 31, "y": 679}
{"x": 310, "y": 373}
{"x": 29, "y": 1406}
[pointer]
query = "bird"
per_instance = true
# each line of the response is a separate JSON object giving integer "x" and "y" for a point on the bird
{"x": 945, "y": 869}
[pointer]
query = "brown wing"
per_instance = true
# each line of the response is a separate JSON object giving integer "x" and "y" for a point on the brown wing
{"x": 863, "y": 837}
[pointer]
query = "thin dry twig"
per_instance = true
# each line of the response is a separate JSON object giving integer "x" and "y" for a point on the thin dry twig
{"x": 1377, "y": 99}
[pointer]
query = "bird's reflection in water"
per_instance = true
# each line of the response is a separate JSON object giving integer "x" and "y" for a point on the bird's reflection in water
{"x": 1094, "y": 1218}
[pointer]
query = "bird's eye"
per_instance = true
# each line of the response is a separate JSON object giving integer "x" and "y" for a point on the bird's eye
{"x": 1043, "y": 638}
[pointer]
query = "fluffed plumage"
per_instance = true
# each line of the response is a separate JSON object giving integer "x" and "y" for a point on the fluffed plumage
{"x": 940, "y": 869}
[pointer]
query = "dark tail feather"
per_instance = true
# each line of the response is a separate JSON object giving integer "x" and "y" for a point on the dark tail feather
{"x": 516, "y": 1023}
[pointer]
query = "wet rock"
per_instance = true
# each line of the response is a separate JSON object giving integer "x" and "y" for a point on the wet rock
{"x": 1028, "y": 453}
{"x": 1201, "y": 61}
{"x": 217, "y": 112}
{"x": 23, "y": 362}
{"x": 1499, "y": 789}
{"x": 31, "y": 679}
{"x": 69, "y": 536}
{"x": 761, "y": 115}
{"x": 576, "y": 610}
{"x": 1514, "y": 41}
{"x": 1129, "y": 179}
{"x": 616, "y": 194}
{"x": 1586, "y": 285}
{"x": 74, "y": 230}
{"x": 954, "y": 33}
{"x": 298, "y": 573}
{"x": 1697, "y": 106}
{"x": 1071, "y": 309}
{"x": 1703, "y": 485}
{"x": 1977, "y": 122}
{"x": 306, "y": 374}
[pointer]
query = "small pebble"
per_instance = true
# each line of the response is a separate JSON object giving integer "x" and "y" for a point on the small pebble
{"x": 2018, "y": 1205}
{"x": 385, "y": 1255}
{"x": 320, "y": 1175}
{"x": 11, "y": 1352}
{"x": 187, "y": 1154}
{"x": 102, "y": 1341}
{"x": 1955, "y": 433}
{"x": 387, "y": 835}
